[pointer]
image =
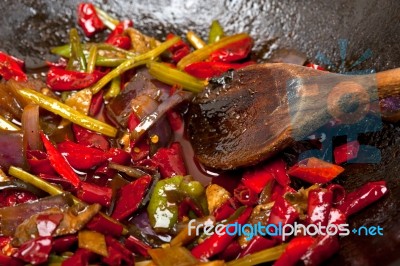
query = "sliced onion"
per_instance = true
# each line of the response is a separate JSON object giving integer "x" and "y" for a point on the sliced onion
{"x": 120, "y": 107}
{"x": 160, "y": 135}
{"x": 12, "y": 151}
{"x": 165, "y": 106}
{"x": 31, "y": 127}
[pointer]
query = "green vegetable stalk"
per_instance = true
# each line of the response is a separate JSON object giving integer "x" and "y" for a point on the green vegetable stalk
{"x": 216, "y": 32}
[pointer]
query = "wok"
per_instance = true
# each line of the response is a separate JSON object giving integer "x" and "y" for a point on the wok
{"x": 29, "y": 27}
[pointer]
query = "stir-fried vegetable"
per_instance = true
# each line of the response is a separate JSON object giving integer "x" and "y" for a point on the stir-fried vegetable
{"x": 110, "y": 150}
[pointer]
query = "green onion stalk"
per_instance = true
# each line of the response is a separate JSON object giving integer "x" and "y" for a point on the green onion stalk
{"x": 68, "y": 112}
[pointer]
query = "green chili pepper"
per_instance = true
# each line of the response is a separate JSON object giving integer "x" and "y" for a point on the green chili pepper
{"x": 167, "y": 194}
{"x": 163, "y": 214}
{"x": 216, "y": 32}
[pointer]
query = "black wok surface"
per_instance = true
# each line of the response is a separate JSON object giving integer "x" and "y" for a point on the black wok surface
{"x": 29, "y": 27}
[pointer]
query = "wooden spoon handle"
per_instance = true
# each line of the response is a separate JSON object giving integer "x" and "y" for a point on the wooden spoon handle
{"x": 388, "y": 83}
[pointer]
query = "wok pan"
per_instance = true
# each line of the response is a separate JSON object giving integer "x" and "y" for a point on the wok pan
{"x": 29, "y": 27}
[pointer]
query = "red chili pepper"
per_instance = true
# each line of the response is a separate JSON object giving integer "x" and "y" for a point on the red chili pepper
{"x": 11, "y": 68}
{"x": 322, "y": 249}
{"x": 48, "y": 223}
{"x": 178, "y": 50}
{"x": 89, "y": 138}
{"x": 81, "y": 157}
{"x": 278, "y": 168}
{"x": 63, "y": 243}
{"x": 170, "y": 161}
{"x": 118, "y": 156}
{"x": 123, "y": 42}
{"x": 139, "y": 150}
{"x": 257, "y": 243}
{"x": 35, "y": 251}
{"x": 14, "y": 197}
{"x": 217, "y": 243}
{"x": 234, "y": 51}
{"x": 137, "y": 246}
{"x": 362, "y": 197}
{"x": 119, "y": 30}
{"x": 319, "y": 206}
{"x": 315, "y": 66}
{"x": 102, "y": 225}
{"x": 10, "y": 261}
{"x": 59, "y": 163}
{"x": 81, "y": 257}
{"x": 186, "y": 205}
{"x": 130, "y": 197}
{"x": 91, "y": 193}
{"x": 278, "y": 191}
{"x": 133, "y": 121}
{"x": 282, "y": 212}
{"x": 88, "y": 19}
{"x": 39, "y": 162}
{"x": 257, "y": 178}
{"x": 245, "y": 195}
{"x": 205, "y": 70}
{"x": 224, "y": 211}
{"x": 346, "y": 152}
{"x": 96, "y": 104}
{"x": 339, "y": 193}
{"x": 336, "y": 217}
{"x": 67, "y": 80}
{"x": 296, "y": 248}
{"x": 314, "y": 170}
{"x": 117, "y": 253}
{"x": 231, "y": 252}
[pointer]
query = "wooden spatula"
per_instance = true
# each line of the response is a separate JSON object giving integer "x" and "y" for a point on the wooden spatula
{"x": 249, "y": 115}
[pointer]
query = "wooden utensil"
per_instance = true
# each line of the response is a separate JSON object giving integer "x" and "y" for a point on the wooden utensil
{"x": 249, "y": 115}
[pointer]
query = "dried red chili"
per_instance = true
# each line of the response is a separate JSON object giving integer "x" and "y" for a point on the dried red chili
{"x": 319, "y": 206}
{"x": 11, "y": 68}
{"x": 128, "y": 201}
{"x": 362, "y": 197}
{"x": 314, "y": 170}
{"x": 66, "y": 80}
{"x": 59, "y": 163}
{"x": 234, "y": 51}
{"x": 170, "y": 160}
{"x": 216, "y": 243}
{"x": 81, "y": 157}
{"x": 88, "y": 19}
{"x": 205, "y": 70}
